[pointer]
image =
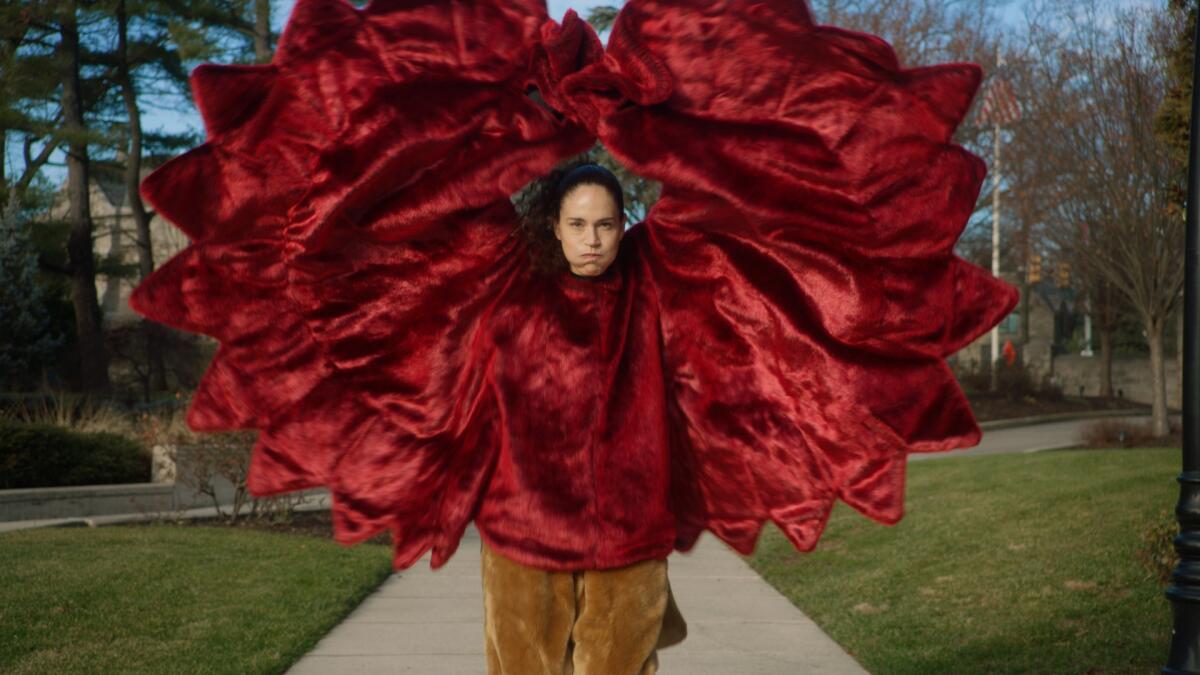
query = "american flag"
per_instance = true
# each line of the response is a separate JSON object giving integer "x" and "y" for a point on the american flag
{"x": 1000, "y": 105}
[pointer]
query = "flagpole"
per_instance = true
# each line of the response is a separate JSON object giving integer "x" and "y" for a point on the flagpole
{"x": 996, "y": 223}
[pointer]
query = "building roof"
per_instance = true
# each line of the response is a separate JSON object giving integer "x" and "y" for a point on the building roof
{"x": 1055, "y": 298}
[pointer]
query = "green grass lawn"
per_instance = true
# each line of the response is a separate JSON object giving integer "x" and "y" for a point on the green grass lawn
{"x": 1002, "y": 564}
{"x": 169, "y": 599}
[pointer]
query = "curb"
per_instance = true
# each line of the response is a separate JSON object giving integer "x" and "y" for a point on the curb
{"x": 319, "y": 503}
{"x": 1064, "y": 417}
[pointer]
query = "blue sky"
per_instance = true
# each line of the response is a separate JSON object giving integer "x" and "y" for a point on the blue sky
{"x": 165, "y": 120}
{"x": 558, "y": 8}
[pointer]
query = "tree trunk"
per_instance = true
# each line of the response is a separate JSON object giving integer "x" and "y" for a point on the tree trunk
{"x": 1105, "y": 325}
{"x": 1026, "y": 286}
{"x": 262, "y": 31}
{"x": 93, "y": 360}
{"x": 1024, "y": 316}
{"x": 1158, "y": 379}
{"x": 3, "y": 169}
{"x": 1106, "y": 362}
{"x": 133, "y": 170}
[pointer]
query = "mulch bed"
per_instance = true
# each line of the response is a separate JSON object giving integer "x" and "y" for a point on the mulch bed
{"x": 989, "y": 407}
{"x": 310, "y": 523}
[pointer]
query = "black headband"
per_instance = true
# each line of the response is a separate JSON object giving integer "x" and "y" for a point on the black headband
{"x": 580, "y": 170}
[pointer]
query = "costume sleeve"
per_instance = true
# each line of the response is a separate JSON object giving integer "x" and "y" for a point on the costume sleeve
{"x": 350, "y": 229}
{"x": 802, "y": 251}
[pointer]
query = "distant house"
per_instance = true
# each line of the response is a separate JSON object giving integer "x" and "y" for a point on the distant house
{"x": 1054, "y": 318}
{"x": 1063, "y": 348}
{"x": 115, "y": 234}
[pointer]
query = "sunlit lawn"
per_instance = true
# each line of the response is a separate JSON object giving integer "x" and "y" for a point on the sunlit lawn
{"x": 1021, "y": 563}
{"x": 171, "y": 599}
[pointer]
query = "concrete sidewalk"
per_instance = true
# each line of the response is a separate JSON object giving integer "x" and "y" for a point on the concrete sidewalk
{"x": 431, "y": 622}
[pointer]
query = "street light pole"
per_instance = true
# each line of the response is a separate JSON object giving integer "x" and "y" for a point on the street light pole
{"x": 1184, "y": 592}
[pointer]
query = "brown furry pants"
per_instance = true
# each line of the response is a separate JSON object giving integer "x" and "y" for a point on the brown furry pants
{"x": 591, "y": 622}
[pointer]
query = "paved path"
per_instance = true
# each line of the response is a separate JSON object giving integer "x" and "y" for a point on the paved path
{"x": 431, "y": 622}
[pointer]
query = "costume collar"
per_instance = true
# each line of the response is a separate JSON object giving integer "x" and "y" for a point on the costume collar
{"x": 612, "y": 279}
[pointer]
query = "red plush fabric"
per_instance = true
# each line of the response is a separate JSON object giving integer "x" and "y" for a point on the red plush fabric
{"x": 582, "y": 480}
{"x": 803, "y": 252}
{"x": 770, "y": 339}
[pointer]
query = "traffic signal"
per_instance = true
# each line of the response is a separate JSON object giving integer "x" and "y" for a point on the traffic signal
{"x": 1063, "y": 279}
{"x": 1034, "y": 273}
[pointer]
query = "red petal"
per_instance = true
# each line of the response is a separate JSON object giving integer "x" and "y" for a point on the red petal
{"x": 947, "y": 90}
{"x": 227, "y": 95}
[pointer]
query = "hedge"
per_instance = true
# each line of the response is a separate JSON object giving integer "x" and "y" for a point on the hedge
{"x": 42, "y": 455}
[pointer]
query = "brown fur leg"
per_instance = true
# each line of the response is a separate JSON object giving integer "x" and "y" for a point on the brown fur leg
{"x": 674, "y": 628}
{"x": 527, "y": 617}
{"x": 619, "y": 619}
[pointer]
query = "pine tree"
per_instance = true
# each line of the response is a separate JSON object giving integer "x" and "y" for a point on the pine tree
{"x": 27, "y": 342}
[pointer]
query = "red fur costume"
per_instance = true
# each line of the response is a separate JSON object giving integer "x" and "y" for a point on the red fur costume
{"x": 771, "y": 338}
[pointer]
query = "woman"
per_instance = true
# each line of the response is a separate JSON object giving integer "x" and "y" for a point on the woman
{"x": 772, "y": 339}
{"x": 608, "y": 619}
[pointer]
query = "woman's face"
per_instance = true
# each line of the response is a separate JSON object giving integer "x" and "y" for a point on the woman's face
{"x": 590, "y": 229}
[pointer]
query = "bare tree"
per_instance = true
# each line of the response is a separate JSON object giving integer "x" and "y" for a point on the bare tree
{"x": 1174, "y": 122}
{"x": 922, "y": 32}
{"x": 1100, "y": 184}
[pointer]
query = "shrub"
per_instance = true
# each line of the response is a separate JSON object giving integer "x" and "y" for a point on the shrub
{"x": 204, "y": 458}
{"x": 184, "y": 357}
{"x": 1014, "y": 382}
{"x": 1119, "y": 432}
{"x": 1157, "y": 548}
{"x": 972, "y": 378}
{"x": 1049, "y": 389}
{"x": 43, "y": 455}
{"x": 68, "y": 411}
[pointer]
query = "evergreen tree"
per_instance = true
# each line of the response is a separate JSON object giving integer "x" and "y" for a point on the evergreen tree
{"x": 28, "y": 341}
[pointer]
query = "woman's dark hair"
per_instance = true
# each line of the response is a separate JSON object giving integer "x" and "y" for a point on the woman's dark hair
{"x": 540, "y": 204}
